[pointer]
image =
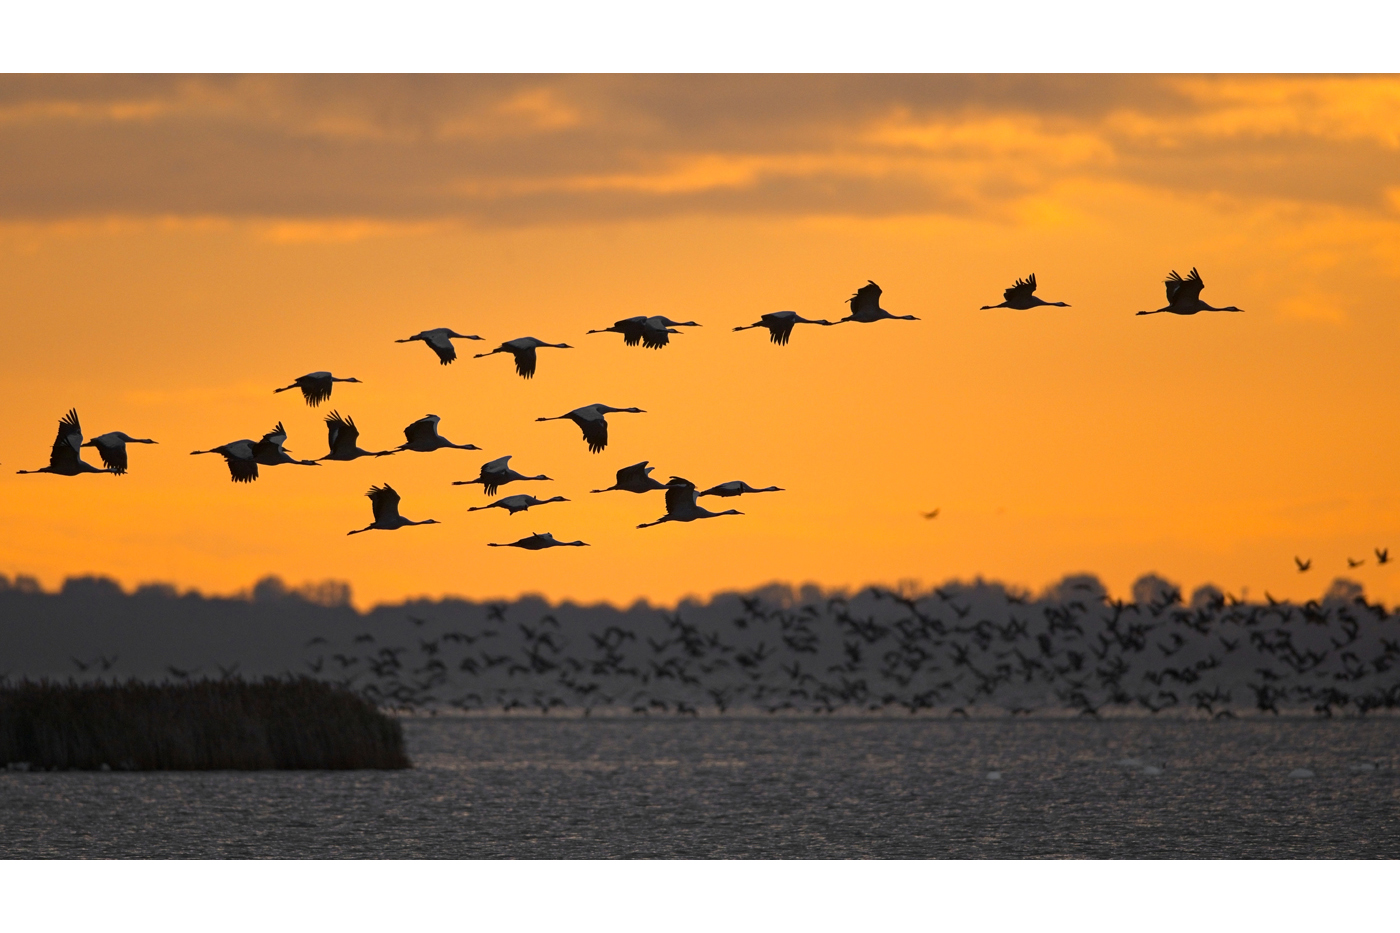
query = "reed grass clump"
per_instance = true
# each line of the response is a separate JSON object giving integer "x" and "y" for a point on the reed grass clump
{"x": 201, "y": 725}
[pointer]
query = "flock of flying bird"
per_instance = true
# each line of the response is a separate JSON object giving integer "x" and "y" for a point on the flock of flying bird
{"x": 245, "y": 456}
{"x": 959, "y": 648}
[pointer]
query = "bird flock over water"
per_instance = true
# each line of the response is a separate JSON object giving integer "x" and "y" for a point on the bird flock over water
{"x": 245, "y": 456}
{"x": 959, "y": 649}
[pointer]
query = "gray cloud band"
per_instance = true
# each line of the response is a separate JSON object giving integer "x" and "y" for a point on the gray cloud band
{"x": 525, "y": 150}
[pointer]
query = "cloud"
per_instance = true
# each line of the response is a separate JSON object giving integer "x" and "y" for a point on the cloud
{"x": 323, "y": 152}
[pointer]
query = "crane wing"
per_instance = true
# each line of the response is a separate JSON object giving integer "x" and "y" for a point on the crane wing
{"x": 1193, "y": 284}
{"x": 595, "y": 431}
{"x": 732, "y": 488}
{"x": 780, "y": 324}
{"x": 341, "y": 433}
{"x": 636, "y": 473}
{"x": 442, "y": 346}
{"x": 524, "y": 361}
{"x": 70, "y": 435}
{"x": 655, "y": 336}
{"x": 631, "y": 329}
{"x": 866, "y": 299}
{"x": 67, "y": 444}
{"x": 276, "y": 437}
{"x": 241, "y": 471}
{"x": 112, "y": 450}
{"x": 1184, "y": 291}
{"x": 680, "y": 496}
{"x": 1023, "y": 289}
{"x": 422, "y": 430}
{"x": 316, "y": 387}
{"x": 499, "y": 465}
{"x": 385, "y": 502}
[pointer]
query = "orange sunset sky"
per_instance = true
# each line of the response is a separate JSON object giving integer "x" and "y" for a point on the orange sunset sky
{"x": 174, "y": 248}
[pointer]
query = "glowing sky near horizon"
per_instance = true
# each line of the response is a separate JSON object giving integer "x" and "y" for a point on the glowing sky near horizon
{"x": 172, "y": 249}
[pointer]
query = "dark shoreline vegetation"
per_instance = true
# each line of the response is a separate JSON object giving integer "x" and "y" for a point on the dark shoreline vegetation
{"x": 231, "y": 724}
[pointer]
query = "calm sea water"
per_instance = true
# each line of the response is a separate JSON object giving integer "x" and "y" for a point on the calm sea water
{"x": 760, "y": 788}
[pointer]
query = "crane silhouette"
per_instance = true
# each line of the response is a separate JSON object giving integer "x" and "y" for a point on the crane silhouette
{"x": 780, "y": 325}
{"x": 1184, "y": 295}
{"x": 735, "y": 488}
{"x": 631, "y": 329}
{"x": 315, "y": 387}
{"x": 439, "y": 340}
{"x": 865, "y": 307}
{"x": 422, "y": 435}
{"x": 242, "y": 464}
{"x": 495, "y": 474}
{"x": 538, "y": 542}
{"x": 651, "y": 332}
{"x": 111, "y": 447}
{"x": 591, "y": 421}
{"x": 523, "y": 349}
{"x": 385, "y": 502}
{"x": 343, "y": 436}
{"x": 1303, "y": 565}
{"x": 1021, "y": 297}
{"x": 65, "y": 459}
{"x": 517, "y": 503}
{"x": 635, "y": 478}
{"x": 681, "y": 504}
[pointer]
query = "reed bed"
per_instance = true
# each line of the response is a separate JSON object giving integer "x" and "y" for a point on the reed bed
{"x": 233, "y": 724}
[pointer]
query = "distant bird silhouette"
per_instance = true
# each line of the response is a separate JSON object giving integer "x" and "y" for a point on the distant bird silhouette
{"x": 65, "y": 459}
{"x": 315, "y": 387}
{"x": 1382, "y": 555}
{"x": 735, "y": 488}
{"x": 517, "y": 503}
{"x": 591, "y": 420}
{"x": 652, "y": 332}
{"x": 439, "y": 340}
{"x": 538, "y": 542}
{"x": 865, "y": 307}
{"x": 495, "y": 474}
{"x": 1021, "y": 297}
{"x": 780, "y": 325}
{"x": 343, "y": 437}
{"x": 269, "y": 450}
{"x": 523, "y": 349}
{"x": 630, "y": 328}
{"x": 1184, "y": 295}
{"x": 385, "y": 502}
{"x": 242, "y": 464}
{"x": 933, "y": 514}
{"x": 423, "y": 436}
{"x": 657, "y": 331}
{"x": 1303, "y": 565}
{"x": 681, "y": 504}
{"x": 635, "y": 478}
{"x": 111, "y": 447}
{"x": 1355, "y": 563}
